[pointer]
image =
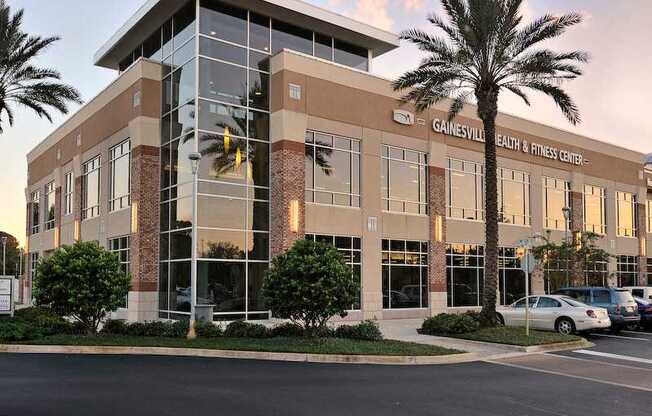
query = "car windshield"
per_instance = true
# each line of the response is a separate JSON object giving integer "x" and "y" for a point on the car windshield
{"x": 623, "y": 296}
{"x": 572, "y": 302}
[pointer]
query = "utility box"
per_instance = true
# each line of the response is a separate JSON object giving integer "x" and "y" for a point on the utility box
{"x": 204, "y": 312}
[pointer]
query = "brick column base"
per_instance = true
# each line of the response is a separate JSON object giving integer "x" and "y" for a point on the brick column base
{"x": 437, "y": 247}
{"x": 143, "y": 296}
{"x": 288, "y": 182}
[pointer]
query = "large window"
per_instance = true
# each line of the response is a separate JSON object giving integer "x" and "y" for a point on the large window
{"x": 121, "y": 247}
{"x": 597, "y": 273}
{"x": 649, "y": 271}
{"x": 595, "y": 212}
{"x": 648, "y": 210}
{"x": 33, "y": 265}
{"x": 513, "y": 197}
{"x": 511, "y": 279}
{"x": 464, "y": 274}
{"x": 556, "y": 196}
{"x": 403, "y": 180}
{"x": 50, "y": 206}
{"x": 332, "y": 170}
{"x": 35, "y": 211}
{"x": 627, "y": 270}
{"x": 68, "y": 193}
{"x": 120, "y": 175}
{"x": 626, "y": 214}
{"x": 351, "y": 250}
{"x": 91, "y": 188}
{"x": 465, "y": 190}
{"x": 405, "y": 274}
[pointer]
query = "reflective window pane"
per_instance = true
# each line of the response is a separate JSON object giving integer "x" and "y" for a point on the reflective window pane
{"x": 184, "y": 24}
{"x": 223, "y": 21}
{"x": 259, "y": 32}
{"x": 222, "y": 51}
{"x": 218, "y": 212}
{"x": 222, "y": 82}
{"x": 224, "y": 158}
{"x": 323, "y": 47}
{"x": 221, "y": 284}
{"x": 351, "y": 55}
{"x": 180, "y": 286}
{"x": 183, "y": 84}
{"x": 288, "y": 36}
{"x": 220, "y": 244}
{"x": 219, "y": 117}
{"x": 258, "y": 90}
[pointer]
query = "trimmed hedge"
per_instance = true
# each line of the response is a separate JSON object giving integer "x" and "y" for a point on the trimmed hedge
{"x": 365, "y": 331}
{"x": 243, "y": 329}
{"x": 449, "y": 324}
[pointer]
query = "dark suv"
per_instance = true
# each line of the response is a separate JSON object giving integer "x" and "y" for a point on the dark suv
{"x": 620, "y": 303}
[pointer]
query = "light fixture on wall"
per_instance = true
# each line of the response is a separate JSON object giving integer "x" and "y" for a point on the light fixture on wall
{"x": 439, "y": 228}
{"x": 643, "y": 249}
{"x": 294, "y": 216}
{"x": 77, "y": 231}
{"x": 134, "y": 217}
{"x": 57, "y": 239}
{"x": 577, "y": 236}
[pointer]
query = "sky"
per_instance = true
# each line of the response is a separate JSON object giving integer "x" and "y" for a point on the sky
{"x": 612, "y": 95}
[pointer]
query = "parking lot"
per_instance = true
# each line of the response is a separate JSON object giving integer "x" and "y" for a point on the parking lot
{"x": 623, "y": 360}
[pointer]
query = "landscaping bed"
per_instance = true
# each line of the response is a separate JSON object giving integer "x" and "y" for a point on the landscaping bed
{"x": 466, "y": 326}
{"x": 40, "y": 326}
{"x": 277, "y": 344}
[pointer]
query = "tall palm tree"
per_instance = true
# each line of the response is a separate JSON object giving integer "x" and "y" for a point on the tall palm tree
{"x": 21, "y": 82}
{"x": 485, "y": 50}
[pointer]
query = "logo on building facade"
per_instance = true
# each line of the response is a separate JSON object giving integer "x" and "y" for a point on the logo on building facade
{"x": 404, "y": 117}
{"x": 515, "y": 144}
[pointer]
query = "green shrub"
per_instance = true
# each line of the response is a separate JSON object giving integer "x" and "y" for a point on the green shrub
{"x": 288, "y": 330}
{"x": 365, "y": 330}
{"x": 447, "y": 324}
{"x": 310, "y": 283}
{"x": 177, "y": 329}
{"x": 208, "y": 329}
{"x": 83, "y": 281}
{"x": 18, "y": 330}
{"x": 47, "y": 322}
{"x": 115, "y": 327}
{"x": 242, "y": 329}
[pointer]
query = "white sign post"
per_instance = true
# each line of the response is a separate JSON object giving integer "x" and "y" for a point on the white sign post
{"x": 7, "y": 295}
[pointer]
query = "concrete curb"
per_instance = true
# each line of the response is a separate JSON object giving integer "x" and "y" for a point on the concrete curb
{"x": 245, "y": 355}
{"x": 560, "y": 346}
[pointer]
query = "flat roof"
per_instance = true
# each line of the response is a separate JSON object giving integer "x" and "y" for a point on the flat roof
{"x": 153, "y": 13}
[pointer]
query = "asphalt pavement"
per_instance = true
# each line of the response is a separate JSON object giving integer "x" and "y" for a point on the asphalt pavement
{"x": 150, "y": 385}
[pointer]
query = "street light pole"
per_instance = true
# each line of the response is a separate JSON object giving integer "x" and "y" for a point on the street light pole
{"x": 527, "y": 244}
{"x": 4, "y": 255}
{"x": 195, "y": 158}
{"x": 567, "y": 215}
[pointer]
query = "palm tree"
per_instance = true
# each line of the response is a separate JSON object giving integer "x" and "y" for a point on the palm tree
{"x": 22, "y": 83}
{"x": 485, "y": 50}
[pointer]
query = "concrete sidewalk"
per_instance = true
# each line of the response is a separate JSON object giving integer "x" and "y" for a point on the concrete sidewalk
{"x": 406, "y": 330}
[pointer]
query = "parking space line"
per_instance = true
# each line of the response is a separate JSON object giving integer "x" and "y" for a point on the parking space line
{"x": 637, "y": 333}
{"x": 621, "y": 337}
{"x": 556, "y": 373}
{"x": 631, "y": 367}
{"x": 615, "y": 356}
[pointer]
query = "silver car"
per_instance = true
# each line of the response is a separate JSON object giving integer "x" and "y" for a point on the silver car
{"x": 555, "y": 313}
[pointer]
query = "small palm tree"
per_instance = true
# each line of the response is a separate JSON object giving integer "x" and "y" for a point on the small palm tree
{"x": 486, "y": 50}
{"x": 22, "y": 83}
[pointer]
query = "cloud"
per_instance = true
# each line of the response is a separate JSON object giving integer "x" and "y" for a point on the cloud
{"x": 372, "y": 12}
{"x": 412, "y": 5}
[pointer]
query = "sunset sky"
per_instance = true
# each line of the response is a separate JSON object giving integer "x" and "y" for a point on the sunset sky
{"x": 613, "y": 95}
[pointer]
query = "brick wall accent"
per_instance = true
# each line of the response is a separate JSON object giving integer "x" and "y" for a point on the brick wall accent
{"x": 288, "y": 182}
{"x": 437, "y": 205}
{"x": 145, "y": 160}
{"x": 642, "y": 239}
{"x": 577, "y": 214}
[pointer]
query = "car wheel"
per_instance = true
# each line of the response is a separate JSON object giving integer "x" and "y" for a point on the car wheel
{"x": 500, "y": 320}
{"x": 565, "y": 326}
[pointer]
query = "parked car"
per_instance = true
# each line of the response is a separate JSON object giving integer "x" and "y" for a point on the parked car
{"x": 555, "y": 313}
{"x": 645, "y": 310}
{"x": 619, "y": 302}
{"x": 644, "y": 292}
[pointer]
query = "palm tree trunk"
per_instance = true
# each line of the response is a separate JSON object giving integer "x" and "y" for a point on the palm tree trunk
{"x": 487, "y": 110}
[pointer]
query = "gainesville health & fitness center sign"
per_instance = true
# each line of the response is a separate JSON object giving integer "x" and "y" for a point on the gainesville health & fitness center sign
{"x": 507, "y": 142}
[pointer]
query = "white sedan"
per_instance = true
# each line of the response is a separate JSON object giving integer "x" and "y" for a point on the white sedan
{"x": 554, "y": 313}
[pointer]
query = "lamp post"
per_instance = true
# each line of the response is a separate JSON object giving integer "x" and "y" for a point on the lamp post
{"x": 195, "y": 159}
{"x": 4, "y": 255}
{"x": 567, "y": 215}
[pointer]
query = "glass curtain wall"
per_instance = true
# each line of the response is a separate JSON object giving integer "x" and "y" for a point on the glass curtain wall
{"x": 403, "y": 180}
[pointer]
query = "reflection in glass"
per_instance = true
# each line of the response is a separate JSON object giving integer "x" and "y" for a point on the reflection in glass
{"x": 181, "y": 170}
{"x": 221, "y": 284}
{"x": 258, "y": 90}
{"x": 514, "y": 196}
{"x": 351, "y": 55}
{"x": 222, "y": 82}
{"x": 626, "y": 214}
{"x": 184, "y": 24}
{"x": 183, "y": 84}
{"x": 323, "y": 47}
{"x": 405, "y": 274}
{"x": 219, "y": 212}
{"x": 465, "y": 190}
{"x": 221, "y": 244}
{"x": 555, "y": 198}
{"x": 594, "y": 209}
{"x": 288, "y": 36}
{"x": 217, "y": 117}
{"x": 259, "y": 32}
{"x": 180, "y": 286}
{"x": 255, "y": 280}
{"x": 222, "y": 51}
{"x": 183, "y": 120}
{"x": 223, "y": 21}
